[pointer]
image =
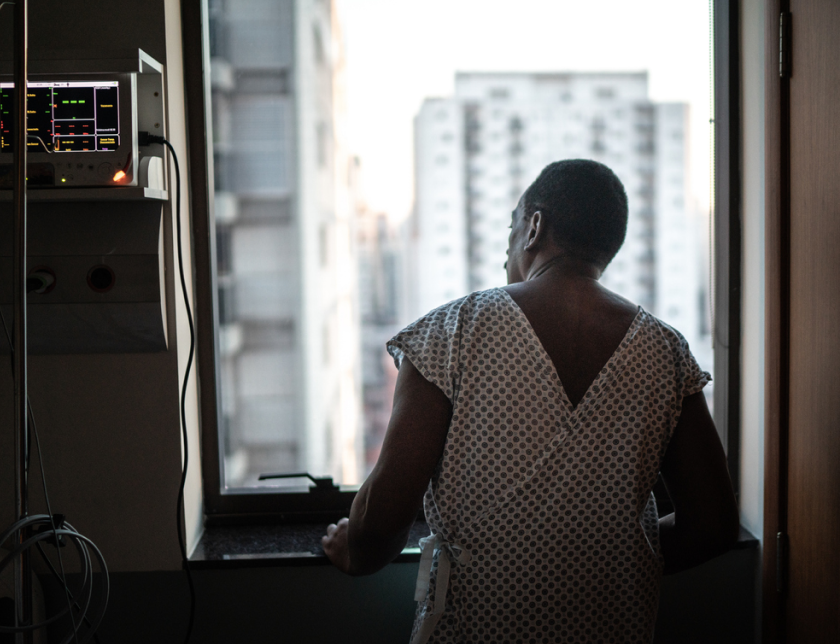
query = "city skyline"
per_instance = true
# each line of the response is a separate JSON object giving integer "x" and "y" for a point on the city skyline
{"x": 400, "y": 53}
{"x": 314, "y": 275}
{"x": 479, "y": 149}
{"x": 287, "y": 275}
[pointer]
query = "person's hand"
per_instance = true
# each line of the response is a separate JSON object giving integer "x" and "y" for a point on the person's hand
{"x": 336, "y": 546}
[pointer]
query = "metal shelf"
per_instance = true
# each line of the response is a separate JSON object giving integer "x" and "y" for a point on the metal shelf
{"x": 58, "y": 195}
{"x": 87, "y": 62}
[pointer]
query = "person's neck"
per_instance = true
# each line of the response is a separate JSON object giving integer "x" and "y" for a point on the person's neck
{"x": 562, "y": 266}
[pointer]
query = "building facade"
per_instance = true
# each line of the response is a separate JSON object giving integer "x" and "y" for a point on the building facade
{"x": 477, "y": 151}
{"x": 285, "y": 253}
{"x": 381, "y": 261}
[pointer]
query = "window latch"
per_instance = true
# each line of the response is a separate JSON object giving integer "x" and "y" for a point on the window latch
{"x": 322, "y": 484}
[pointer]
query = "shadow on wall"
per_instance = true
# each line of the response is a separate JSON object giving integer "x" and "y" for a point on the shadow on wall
{"x": 310, "y": 605}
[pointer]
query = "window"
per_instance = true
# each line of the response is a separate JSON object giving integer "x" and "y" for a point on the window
{"x": 324, "y": 245}
{"x": 293, "y": 374}
{"x": 322, "y": 144}
{"x": 327, "y": 343}
{"x": 318, "y": 44}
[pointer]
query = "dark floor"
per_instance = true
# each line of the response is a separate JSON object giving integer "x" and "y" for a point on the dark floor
{"x": 311, "y": 604}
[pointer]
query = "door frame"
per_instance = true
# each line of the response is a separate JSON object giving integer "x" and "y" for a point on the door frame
{"x": 777, "y": 328}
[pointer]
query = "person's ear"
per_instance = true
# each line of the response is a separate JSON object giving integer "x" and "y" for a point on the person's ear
{"x": 536, "y": 229}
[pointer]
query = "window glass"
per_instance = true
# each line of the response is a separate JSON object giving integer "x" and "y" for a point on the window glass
{"x": 368, "y": 154}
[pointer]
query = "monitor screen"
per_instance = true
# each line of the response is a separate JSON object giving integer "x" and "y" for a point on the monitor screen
{"x": 67, "y": 116}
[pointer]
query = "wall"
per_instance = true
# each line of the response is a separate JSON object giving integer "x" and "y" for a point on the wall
{"x": 176, "y": 120}
{"x": 109, "y": 424}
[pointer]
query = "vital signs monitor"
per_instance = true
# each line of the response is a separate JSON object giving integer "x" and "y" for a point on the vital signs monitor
{"x": 81, "y": 132}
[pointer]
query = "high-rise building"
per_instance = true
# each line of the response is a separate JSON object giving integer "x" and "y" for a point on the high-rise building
{"x": 381, "y": 294}
{"x": 289, "y": 335}
{"x": 477, "y": 151}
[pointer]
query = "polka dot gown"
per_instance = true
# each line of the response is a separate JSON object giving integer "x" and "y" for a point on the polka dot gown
{"x": 553, "y": 503}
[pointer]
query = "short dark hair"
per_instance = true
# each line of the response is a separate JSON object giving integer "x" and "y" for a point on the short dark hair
{"x": 585, "y": 206}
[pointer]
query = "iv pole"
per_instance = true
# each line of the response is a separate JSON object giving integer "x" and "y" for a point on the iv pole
{"x": 23, "y": 569}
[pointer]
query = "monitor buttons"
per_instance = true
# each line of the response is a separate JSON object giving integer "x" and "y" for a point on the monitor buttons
{"x": 105, "y": 170}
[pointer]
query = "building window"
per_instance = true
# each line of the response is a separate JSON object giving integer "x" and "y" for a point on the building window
{"x": 322, "y": 144}
{"x": 326, "y": 343}
{"x": 324, "y": 245}
{"x": 318, "y": 45}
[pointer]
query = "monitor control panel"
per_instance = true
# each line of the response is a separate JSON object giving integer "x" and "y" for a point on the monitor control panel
{"x": 82, "y": 132}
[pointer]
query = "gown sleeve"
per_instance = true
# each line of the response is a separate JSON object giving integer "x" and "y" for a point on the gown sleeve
{"x": 694, "y": 377}
{"x": 432, "y": 345}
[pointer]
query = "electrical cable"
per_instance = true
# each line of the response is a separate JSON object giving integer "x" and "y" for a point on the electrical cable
{"x": 25, "y": 525}
{"x": 146, "y": 139}
{"x": 83, "y": 545}
{"x": 81, "y": 542}
{"x": 61, "y": 577}
{"x": 67, "y": 592}
{"x": 41, "y": 141}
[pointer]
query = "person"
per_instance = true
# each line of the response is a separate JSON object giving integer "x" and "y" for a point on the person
{"x": 531, "y": 423}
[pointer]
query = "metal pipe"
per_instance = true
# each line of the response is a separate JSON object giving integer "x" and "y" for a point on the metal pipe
{"x": 23, "y": 570}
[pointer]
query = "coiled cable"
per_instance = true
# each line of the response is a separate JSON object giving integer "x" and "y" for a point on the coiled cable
{"x": 56, "y": 525}
{"x": 147, "y": 139}
{"x": 49, "y": 531}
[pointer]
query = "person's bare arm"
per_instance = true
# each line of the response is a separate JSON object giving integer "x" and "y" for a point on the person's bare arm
{"x": 705, "y": 520}
{"x": 390, "y": 499}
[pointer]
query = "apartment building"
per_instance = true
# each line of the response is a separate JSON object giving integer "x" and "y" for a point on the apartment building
{"x": 288, "y": 311}
{"x": 478, "y": 150}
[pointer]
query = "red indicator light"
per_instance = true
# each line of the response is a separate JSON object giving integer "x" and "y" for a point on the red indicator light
{"x": 119, "y": 176}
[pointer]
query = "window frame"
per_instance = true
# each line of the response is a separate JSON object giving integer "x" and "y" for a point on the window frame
{"x": 273, "y": 506}
{"x": 224, "y": 507}
{"x": 727, "y": 226}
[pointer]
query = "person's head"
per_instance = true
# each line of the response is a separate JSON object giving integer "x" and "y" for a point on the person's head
{"x": 576, "y": 207}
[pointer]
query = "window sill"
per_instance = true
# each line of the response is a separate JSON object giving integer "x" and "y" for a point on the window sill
{"x": 249, "y": 546}
{"x": 298, "y": 544}
{"x": 746, "y": 540}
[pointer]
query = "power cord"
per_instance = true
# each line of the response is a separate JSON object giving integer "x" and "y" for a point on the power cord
{"x": 57, "y": 527}
{"x": 145, "y": 139}
{"x": 49, "y": 532}
{"x": 64, "y": 529}
{"x": 53, "y": 526}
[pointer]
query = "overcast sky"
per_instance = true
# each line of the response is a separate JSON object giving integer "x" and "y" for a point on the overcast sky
{"x": 399, "y": 52}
